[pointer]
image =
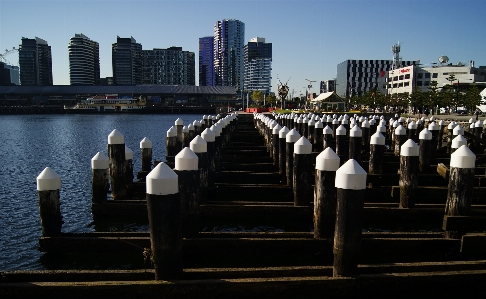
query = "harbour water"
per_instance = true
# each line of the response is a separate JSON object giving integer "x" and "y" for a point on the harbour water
{"x": 66, "y": 143}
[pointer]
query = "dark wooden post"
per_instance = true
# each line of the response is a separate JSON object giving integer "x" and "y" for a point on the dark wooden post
{"x": 164, "y": 214}
{"x": 412, "y": 131}
{"x": 441, "y": 134}
{"x": 327, "y": 162}
{"x": 291, "y": 138}
{"x": 434, "y": 130}
{"x": 458, "y": 142}
{"x": 400, "y": 138}
{"x": 185, "y": 136}
{"x": 209, "y": 137}
{"x": 187, "y": 170}
{"x": 146, "y": 149}
{"x": 197, "y": 127}
{"x": 305, "y": 128}
{"x": 420, "y": 127}
{"x": 200, "y": 147}
{"x": 116, "y": 154}
{"x": 341, "y": 150}
{"x": 355, "y": 136}
{"x": 302, "y": 173}
{"x": 311, "y": 130}
{"x": 206, "y": 121}
{"x": 171, "y": 146}
{"x": 351, "y": 187}
{"x": 461, "y": 184}
{"x": 327, "y": 138}
{"x": 450, "y": 131}
{"x": 318, "y": 136}
{"x": 478, "y": 131}
{"x": 377, "y": 150}
{"x": 365, "y": 140}
{"x": 275, "y": 144}
{"x": 190, "y": 136}
{"x": 458, "y": 130}
{"x": 425, "y": 149}
{"x": 471, "y": 122}
{"x": 282, "y": 134}
{"x": 335, "y": 125}
{"x": 128, "y": 165}
{"x": 216, "y": 129}
{"x": 408, "y": 181}
{"x": 345, "y": 123}
{"x": 179, "y": 124}
{"x": 373, "y": 126}
{"x": 48, "y": 186}
{"x": 99, "y": 182}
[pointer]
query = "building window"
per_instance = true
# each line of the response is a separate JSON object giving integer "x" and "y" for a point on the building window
{"x": 427, "y": 75}
{"x": 419, "y": 83}
{"x": 426, "y": 83}
{"x": 434, "y": 75}
{"x": 420, "y": 75}
{"x": 407, "y": 76}
{"x": 395, "y": 85}
{"x": 406, "y": 84}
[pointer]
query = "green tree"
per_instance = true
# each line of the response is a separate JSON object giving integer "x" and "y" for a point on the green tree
{"x": 257, "y": 97}
{"x": 271, "y": 99}
{"x": 472, "y": 98}
{"x": 434, "y": 98}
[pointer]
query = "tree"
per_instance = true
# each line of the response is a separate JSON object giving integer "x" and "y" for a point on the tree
{"x": 434, "y": 97}
{"x": 271, "y": 100}
{"x": 257, "y": 97}
{"x": 472, "y": 98}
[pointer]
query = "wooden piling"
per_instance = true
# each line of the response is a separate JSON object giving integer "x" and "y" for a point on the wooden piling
{"x": 434, "y": 130}
{"x": 48, "y": 186}
{"x": 341, "y": 150}
{"x": 425, "y": 149}
{"x": 450, "y": 131}
{"x": 458, "y": 142}
{"x": 209, "y": 137}
{"x": 179, "y": 124}
{"x": 441, "y": 134}
{"x": 171, "y": 146}
{"x": 355, "y": 136}
{"x": 116, "y": 155}
{"x": 365, "y": 139}
{"x": 128, "y": 165}
{"x": 275, "y": 145}
{"x": 146, "y": 149}
{"x": 99, "y": 179}
{"x": 377, "y": 150}
{"x": 400, "y": 138}
{"x": 291, "y": 138}
{"x": 282, "y": 150}
{"x": 327, "y": 138}
{"x": 200, "y": 147}
{"x": 302, "y": 172}
{"x": 318, "y": 136}
{"x": 408, "y": 181}
{"x": 311, "y": 130}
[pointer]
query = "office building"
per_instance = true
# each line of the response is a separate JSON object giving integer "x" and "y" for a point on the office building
{"x": 84, "y": 61}
{"x": 9, "y": 74}
{"x": 170, "y": 66}
{"x": 229, "y": 36}
{"x": 206, "y": 59}
{"x": 35, "y": 62}
{"x": 258, "y": 65}
{"x": 327, "y": 86}
{"x": 126, "y": 61}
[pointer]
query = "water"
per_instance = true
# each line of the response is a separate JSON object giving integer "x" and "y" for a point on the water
{"x": 66, "y": 143}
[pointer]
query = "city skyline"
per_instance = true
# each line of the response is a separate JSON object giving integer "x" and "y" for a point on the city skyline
{"x": 310, "y": 38}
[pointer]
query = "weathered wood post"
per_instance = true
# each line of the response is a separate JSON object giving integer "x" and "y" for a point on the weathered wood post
{"x": 377, "y": 150}
{"x": 291, "y": 138}
{"x": 458, "y": 130}
{"x": 302, "y": 173}
{"x": 99, "y": 179}
{"x": 365, "y": 140}
{"x": 197, "y": 127}
{"x": 478, "y": 131}
{"x": 318, "y": 136}
{"x": 305, "y": 128}
{"x": 216, "y": 129}
{"x": 373, "y": 126}
{"x": 200, "y": 147}
{"x": 146, "y": 149}
{"x": 206, "y": 121}
{"x": 335, "y": 125}
{"x": 298, "y": 124}
{"x": 327, "y": 162}
{"x": 400, "y": 138}
{"x": 458, "y": 142}
{"x": 345, "y": 123}
{"x": 311, "y": 130}
{"x": 282, "y": 134}
{"x": 189, "y": 177}
{"x": 209, "y": 137}
{"x": 471, "y": 122}
{"x": 185, "y": 136}
{"x": 412, "y": 131}
{"x": 351, "y": 187}
{"x": 420, "y": 127}
{"x": 171, "y": 146}
{"x": 461, "y": 184}
{"x": 179, "y": 124}
{"x": 355, "y": 136}
{"x": 441, "y": 134}
{"x": 341, "y": 150}
{"x": 164, "y": 214}
{"x": 450, "y": 129}
{"x": 327, "y": 138}
{"x": 434, "y": 130}
{"x": 425, "y": 149}
{"x": 48, "y": 186}
{"x": 128, "y": 165}
{"x": 275, "y": 144}
{"x": 408, "y": 181}
{"x": 116, "y": 154}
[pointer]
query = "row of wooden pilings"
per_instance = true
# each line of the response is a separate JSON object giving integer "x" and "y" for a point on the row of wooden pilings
{"x": 173, "y": 195}
{"x": 339, "y": 186}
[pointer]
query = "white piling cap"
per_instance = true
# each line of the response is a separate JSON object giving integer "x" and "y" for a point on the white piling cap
{"x": 471, "y": 120}
{"x": 292, "y": 136}
{"x": 346, "y": 116}
{"x": 208, "y": 135}
{"x": 185, "y": 129}
{"x": 463, "y": 157}
{"x": 319, "y": 125}
{"x": 205, "y": 117}
{"x": 355, "y": 132}
{"x": 341, "y": 130}
{"x": 400, "y": 130}
{"x": 434, "y": 126}
{"x": 335, "y": 121}
{"x": 128, "y": 153}
{"x": 441, "y": 123}
{"x": 276, "y": 129}
{"x": 179, "y": 122}
{"x": 451, "y": 125}
{"x": 198, "y": 145}
{"x": 395, "y": 124}
{"x": 412, "y": 125}
{"x": 345, "y": 121}
{"x": 458, "y": 130}
{"x": 186, "y": 159}
{"x": 196, "y": 123}
{"x": 48, "y": 180}
{"x": 172, "y": 132}
{"x": 327, "y": 160}
{"x": 283, "y": 132}
{"x": 351, "y": 176}
{"x": 432, "y": 118}
{"x": 215, "y": 129}
{"x": 377, "y": 139}
{"x": 145, "y": 143}
{"x": 327, "y": 130}
{"x": 409, "y": 149}
{"x": 311, "y": 122}
{"x": 302, "y": 146}
{"x": 116, "y": 137}
{"x": 365, "y": 123}
{"x": 425, "y": 135}
{"x": 471, "y": 126}
{"x": 458, "y": 141}
{"x": 382, "y": 122}
{"x": 381, "y": 128}
{"x": 329, "y": 119}
{"x": 419, "y": 122}
{"x": 162, "y": 181}
{"x": 478, "y": 124}
{"x": 372, "y": 121}
{"x": 100, "y": 161}
{"x": 190, "y": 127}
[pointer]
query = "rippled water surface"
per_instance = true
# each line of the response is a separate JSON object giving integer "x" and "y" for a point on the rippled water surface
{"x": 66, "y": 143}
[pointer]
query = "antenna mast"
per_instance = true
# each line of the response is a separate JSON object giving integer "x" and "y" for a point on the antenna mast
{"x": 397, "y": 60}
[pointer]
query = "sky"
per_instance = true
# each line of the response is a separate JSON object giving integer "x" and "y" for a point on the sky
{"x": 310, "y": 38}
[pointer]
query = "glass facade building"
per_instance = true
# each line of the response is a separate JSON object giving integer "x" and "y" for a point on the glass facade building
{"x": 206, "y": 57}
{"x": 170, "y": 66}
{"x": 126, "y": 61}
{"x": 258, "y": 65}
{"x": 229, "y": 38}
{"x": 35, "y": 62}
{"x": 84, "y": 61}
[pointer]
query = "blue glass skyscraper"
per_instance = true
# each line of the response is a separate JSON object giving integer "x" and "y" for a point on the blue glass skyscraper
{"x": 206, "y": 59}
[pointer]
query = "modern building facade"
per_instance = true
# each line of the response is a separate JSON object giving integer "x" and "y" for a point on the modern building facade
{"x": 35, "y": 62}
{"x": 327, "y": 86}
{"x": 170, "y": 66}
{"x": 229, "y": 36}
{"x": 257, "y": 61}
{"x": 126, "y": 61}
{"x": 84, "y": 61}
{"x": 9, "y": 74}
{"x": 206, "y": 61}
{"x": 359, "y": 76}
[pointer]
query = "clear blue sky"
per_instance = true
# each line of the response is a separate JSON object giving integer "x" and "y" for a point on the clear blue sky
{"x": 310, "y": 38}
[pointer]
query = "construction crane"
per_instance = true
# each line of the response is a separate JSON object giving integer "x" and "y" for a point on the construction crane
{"x": 310, "y": 83}
{"x": 7, "y": 52}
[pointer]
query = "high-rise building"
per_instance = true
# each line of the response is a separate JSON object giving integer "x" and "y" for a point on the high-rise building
{"x": 35, "y": 62}
{"x": 229, "y": 38}
{"x": 170, "y": 66}
{"x": 9, "y": 74}
{"x": 258, "y": 65}
{"x": 84, "y": 61}
{"x": 126, "y": 56}
{"x": 206, "y": 61}
{"x": 327, "y": 86}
